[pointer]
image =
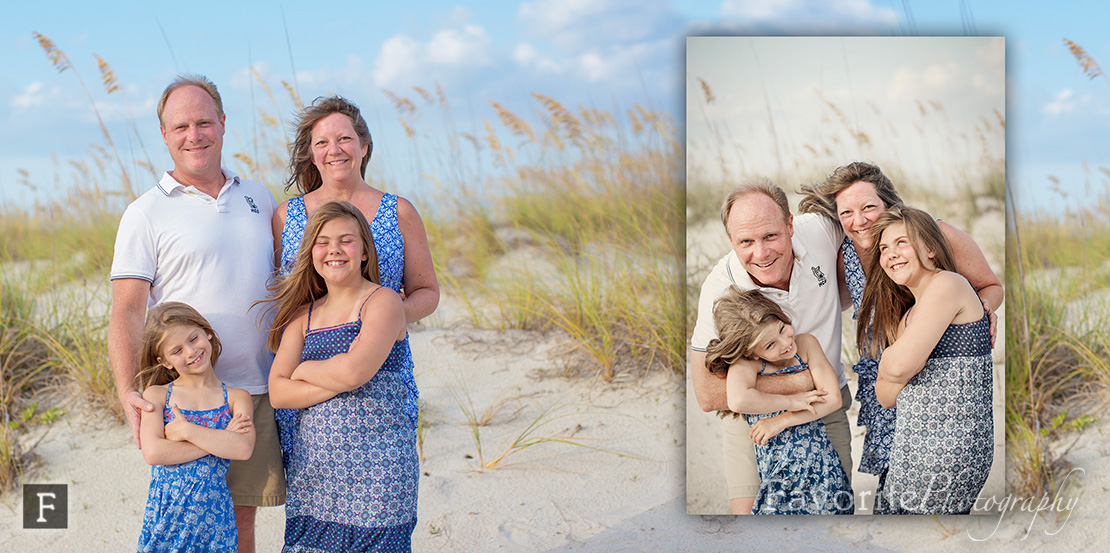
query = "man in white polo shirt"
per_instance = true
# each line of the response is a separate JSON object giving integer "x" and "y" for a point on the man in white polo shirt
{"x": 202, "y": 236}
{"x": 794, "y": 262}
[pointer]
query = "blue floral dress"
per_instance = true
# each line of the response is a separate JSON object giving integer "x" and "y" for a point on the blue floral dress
{"x": 799, "y": 470}
{"x": 944, "y": 438}
{"x": 390, "y": 247}
{"x": 189, "y": 507}
{"x": 878, "y": 421}
{"x": 352, "y": 469}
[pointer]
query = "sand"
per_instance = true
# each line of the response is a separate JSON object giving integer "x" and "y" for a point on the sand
{"x": 660, "y": 460}
{"x": 557, "y": 497}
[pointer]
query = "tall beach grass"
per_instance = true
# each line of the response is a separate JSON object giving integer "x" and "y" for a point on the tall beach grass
{"x": 560, "y": 219}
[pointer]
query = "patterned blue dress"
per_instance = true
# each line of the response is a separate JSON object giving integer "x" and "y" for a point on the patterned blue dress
{"x": 189, "y": 507}
{"x": 390, "y": 247}
{"x": 944, "y": 437}
{"x": 352, "y": 469}
{"x": 878, "y": 421}
{"x": 799, "y": 470}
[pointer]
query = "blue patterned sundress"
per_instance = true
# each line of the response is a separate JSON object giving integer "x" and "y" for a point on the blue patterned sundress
{"x": 879, "y": 422}
{"x": 390, "y": 247}
{"x": 189, "y": 507}
{"x": 352, "y": 471}
{"x": 944, "y": 437}
{"x": 799, "y": 470}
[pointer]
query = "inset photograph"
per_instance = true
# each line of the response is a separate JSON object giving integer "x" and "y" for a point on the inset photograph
{"x": 845, "y": 254}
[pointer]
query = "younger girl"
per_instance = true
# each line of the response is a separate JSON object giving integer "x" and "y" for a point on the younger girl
{"x": 933, "y": 334}
{"x": 799, "y": 471}
{"x": 197, "y": 426}
{"x": 352, "y": 468}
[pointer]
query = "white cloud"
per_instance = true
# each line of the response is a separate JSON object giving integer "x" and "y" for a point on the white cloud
{"x": 526, "y": 55}
{"x": 404, "y": 60}
{"x": 575, "y": 27}
{"x": 32, "y": 97}
{"x": 327, "y": 81}
{"x": 1063, "y": 102}
{"x": 799, "y": 14}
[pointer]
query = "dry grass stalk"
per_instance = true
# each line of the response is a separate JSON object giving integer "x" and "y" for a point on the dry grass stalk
{"x": 1086, "y": 62}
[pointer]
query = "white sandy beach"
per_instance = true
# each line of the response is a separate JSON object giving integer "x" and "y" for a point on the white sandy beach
{"x": 554, "y": 496}
{"x": 560, "y": 497}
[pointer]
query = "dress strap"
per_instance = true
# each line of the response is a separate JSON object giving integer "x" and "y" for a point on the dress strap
{"x": 169, "y": 390}
{"x": 308, "y": 323}
{"x": 366, "y": 300}
{"x": 225, "y": 393}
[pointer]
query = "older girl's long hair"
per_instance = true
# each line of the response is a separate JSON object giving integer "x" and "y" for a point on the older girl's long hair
{"x": 303, "y": 284}
{"x": 303, "y": 174}
{"x": 739, "y": 317}
{"x": 159, "y": 321}
{"x": 886, "y": 301}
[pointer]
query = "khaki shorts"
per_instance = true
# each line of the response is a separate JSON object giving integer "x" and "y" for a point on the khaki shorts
{"x": 260, "y": 480}
{"x": 741, "y": 470}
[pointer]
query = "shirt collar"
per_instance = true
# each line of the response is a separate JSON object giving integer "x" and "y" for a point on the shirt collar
{"x": 168, "y": 184}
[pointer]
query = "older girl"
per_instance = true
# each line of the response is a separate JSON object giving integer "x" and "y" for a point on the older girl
{"x": 350, "y": 447}
{"x": 933, "y": 334}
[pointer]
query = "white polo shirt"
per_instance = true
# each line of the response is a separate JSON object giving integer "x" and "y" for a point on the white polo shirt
{"x": 813, "y": 300}
{"x": 215, "y": 254}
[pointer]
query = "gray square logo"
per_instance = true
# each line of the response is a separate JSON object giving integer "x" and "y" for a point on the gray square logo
{"x": 45, "y": 506}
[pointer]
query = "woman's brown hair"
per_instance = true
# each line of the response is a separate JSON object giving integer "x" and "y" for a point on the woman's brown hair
{"x": 303, "y": 174}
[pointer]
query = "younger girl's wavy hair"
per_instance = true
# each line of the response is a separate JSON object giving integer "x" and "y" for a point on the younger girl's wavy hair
{"x": 739, "y": 317}
{"x": 885, "y": 300}
{"x": 159, "y": 321}
{"x": 303, "y": 284}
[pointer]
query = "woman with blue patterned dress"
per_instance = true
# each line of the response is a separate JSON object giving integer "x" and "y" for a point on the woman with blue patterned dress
{"x": 800, "y": 472}
{"x": 934, "y": 337}
{"x": 330, "y": 153}
{"x": 855, "y": 195}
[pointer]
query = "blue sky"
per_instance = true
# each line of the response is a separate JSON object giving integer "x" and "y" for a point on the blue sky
{"x": 604, "y": 53}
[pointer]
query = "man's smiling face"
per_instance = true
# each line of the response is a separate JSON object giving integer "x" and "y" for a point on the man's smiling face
{"x": 761, "y": 238}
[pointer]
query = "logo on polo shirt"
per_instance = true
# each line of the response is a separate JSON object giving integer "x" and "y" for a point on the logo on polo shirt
{"x": 250, "y": 202}
{"x": 820, "y": 276}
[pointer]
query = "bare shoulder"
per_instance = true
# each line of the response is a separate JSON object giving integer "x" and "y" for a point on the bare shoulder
{"x": 806, "y": 341}
{"x": 947, "y": 283}
{"x": 238, "y": 395}
{"x": 807, "y": 345}
{"x": 156, "y": 395}
{"x": 382, "y": 298}
{"x": 406, "y": 213}
{"x": 300, "y": 316}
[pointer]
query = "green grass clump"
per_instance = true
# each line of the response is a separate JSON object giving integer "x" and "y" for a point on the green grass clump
{"x": 22, "y": 375}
